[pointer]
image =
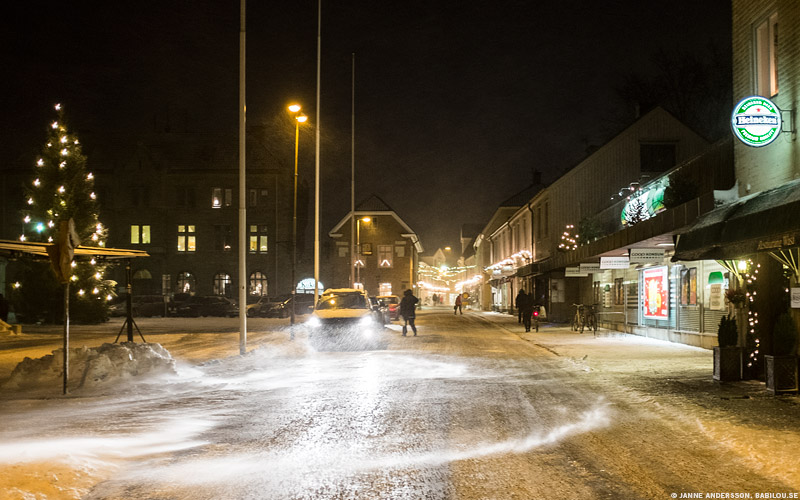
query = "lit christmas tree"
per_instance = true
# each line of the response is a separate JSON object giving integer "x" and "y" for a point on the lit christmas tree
{"x": 63, "y": 189}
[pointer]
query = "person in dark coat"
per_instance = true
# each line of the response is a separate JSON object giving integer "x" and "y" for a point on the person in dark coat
{"x": 521, "y": 296}
{"x": 408, "y": 307}
{"x": 457, "y": 305}
{"x": 526, "y": 308}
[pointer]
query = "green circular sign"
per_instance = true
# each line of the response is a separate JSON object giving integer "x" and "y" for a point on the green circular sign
{"x": 756, "y": 121}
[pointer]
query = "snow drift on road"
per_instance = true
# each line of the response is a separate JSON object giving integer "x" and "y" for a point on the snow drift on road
{"x": 93, "y": 367}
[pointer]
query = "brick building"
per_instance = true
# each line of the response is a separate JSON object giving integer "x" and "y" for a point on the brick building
{"x": 176, "y": 196}
{"x": 389, "y": 250}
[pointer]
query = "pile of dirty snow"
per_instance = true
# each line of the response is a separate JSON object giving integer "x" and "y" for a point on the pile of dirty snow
{"x": 93, "y": 366}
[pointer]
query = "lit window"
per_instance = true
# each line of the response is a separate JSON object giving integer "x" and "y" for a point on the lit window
{"x": 186, "y": 282}
{"x": 228, "y": 197}
{"x": 384, "y": 255}
{"x": 216, "y": 198}
{"x": 223, "y": 238}
{"x": 222, "y": 284}
{"x": 766, "y": 42}
{"x": 258, "y": 283}
{"x": 400, "y": 251}
{"x": 187, "y": 239}
{"x": 140, "y": 234}
{"x": 258, "y": 239}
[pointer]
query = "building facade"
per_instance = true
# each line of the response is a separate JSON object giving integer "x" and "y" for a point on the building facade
{"x": 384, "y": 259}
{"x": 176, "y": 196}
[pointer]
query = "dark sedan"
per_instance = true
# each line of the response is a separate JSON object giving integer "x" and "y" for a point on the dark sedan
{"x": 211, "y": 305}
{"x": 280, "y": 307}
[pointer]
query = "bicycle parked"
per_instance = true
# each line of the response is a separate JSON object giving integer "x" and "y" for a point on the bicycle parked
{"x": 589, "y": 318}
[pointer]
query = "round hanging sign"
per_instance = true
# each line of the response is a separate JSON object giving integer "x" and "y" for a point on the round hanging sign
{"x": 756, "y": 121}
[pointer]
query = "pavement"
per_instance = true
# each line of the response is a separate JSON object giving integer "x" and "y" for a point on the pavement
{"x": 644, "y": 363}
{"x": 640, "y": 361}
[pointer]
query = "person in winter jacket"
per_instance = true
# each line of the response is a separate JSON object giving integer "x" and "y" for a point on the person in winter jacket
{"x": 518, "y": 302}
{"x": 408, "y": 305}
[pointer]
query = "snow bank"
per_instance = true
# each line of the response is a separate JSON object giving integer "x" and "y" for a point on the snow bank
{"x": 93, "y": 367}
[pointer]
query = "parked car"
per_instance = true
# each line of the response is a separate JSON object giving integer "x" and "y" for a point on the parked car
{"x": 381, "y": 310}
{"x": 141, "y": 306}
{"x": 210, "y": 305}
{"x": 345, "y": 312}
{"x": 268, "y": 307}
{"x": 392, "y": 303}
{"x": 280, "y": 307}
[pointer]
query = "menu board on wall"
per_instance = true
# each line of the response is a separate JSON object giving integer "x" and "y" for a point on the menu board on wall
{"x": 655, "y": 299}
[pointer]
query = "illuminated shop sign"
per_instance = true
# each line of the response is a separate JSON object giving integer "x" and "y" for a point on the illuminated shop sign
{"x": 645, "y": 204}
{"x": 756, "y": 121}
{"x": 655, "y": 293}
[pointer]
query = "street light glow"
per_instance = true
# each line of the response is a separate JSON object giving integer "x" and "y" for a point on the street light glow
{"x": 294, "y": 108}
{"x": 302, "y": 118}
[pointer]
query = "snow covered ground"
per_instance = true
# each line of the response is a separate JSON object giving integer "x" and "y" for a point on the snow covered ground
{"x": 163, "y": 397}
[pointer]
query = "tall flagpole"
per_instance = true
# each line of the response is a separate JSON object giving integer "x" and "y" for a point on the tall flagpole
{"x": 242, "y": 189}
{"x": 353, "y": 175}
{"x": 316, "y": 154}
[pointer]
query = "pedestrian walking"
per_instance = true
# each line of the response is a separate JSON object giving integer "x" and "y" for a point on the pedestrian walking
{"x": 521, "y": 297}
{"x": 457, "y": 307}
{"x": 408, "y": 306}
{"x": 526, "y": 309}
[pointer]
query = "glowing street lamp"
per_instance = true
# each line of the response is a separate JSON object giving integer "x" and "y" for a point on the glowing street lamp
{"x": 295, "y": 108}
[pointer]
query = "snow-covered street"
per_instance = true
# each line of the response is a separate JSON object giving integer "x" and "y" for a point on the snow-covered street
{"x": 472, "y": 408}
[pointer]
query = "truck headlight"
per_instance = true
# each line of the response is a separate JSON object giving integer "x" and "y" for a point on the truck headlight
{"x": 314, "y": 322}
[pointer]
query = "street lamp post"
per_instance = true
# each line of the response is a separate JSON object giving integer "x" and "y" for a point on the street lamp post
{"x": 295, "y": 108}
{"x": 358, "y": 245}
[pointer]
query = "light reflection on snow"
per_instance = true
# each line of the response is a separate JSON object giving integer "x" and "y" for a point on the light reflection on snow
{"x": 301, "y": 418}
{"x": 175, "y": 435}
{"x": 289, "y": 466}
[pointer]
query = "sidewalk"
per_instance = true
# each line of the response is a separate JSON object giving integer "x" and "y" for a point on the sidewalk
{"x": 641, "y": 362}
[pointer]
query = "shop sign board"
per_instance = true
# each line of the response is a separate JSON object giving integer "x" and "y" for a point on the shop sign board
{"x": 574, "y": 272}
{"x": 614, "y": 262}
{"x": 647, "y": 256}
{"x": 716, "y": 297}
{"x": 655, "y": 299}
{"x": 756, "y": 121}
{"x": 591, "y": 267}
{"x": 795, "y": 298}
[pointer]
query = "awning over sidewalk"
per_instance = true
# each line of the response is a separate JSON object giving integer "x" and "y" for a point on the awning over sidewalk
{"x": 765, "y": 222}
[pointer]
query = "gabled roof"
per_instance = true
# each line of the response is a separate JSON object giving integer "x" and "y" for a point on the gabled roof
{"x": 522, "y": 197}
{"x": 374, "y": 206}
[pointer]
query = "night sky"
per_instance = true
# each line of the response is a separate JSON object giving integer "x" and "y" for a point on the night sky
{"x": 456, "y": 101}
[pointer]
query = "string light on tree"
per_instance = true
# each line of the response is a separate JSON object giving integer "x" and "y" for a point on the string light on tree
{"x": 63, "y": 189}
{"x": 568, "y": 242}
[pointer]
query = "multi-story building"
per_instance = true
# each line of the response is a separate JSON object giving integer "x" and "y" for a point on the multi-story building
{"x": 583, "y": 200}
{"x": 757, "y": 236}
{"x": 503, "y": 246}
{"x": 176, "y": 196}
{"x": 385, "y": 251}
